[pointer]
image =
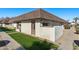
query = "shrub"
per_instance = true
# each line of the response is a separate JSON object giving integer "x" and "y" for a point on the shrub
{"x": 77, "y": 29}
{"x": 7, "y": 29}
{"x": 67, "y": 26}
{"x": 43, "y": 45}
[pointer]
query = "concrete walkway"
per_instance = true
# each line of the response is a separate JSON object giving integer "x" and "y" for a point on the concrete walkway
{"x": 66, "y": 41}
{"x": 12, "y": 45}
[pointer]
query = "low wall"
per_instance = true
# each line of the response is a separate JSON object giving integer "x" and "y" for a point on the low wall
{"x": 50, "y": 33}
{"x": 58, "y": 31}
{"x": 47, "y": 33}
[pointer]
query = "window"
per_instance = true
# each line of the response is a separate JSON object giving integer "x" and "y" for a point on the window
{"x": 45, "y": 24}
{"x": 7, "y": 23}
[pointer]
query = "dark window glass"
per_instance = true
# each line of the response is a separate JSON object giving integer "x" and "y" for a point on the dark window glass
{"x": 45, "y": 24}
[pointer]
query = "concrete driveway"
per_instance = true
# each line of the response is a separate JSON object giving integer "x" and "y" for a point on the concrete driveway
{"x": 11, "y": 44}
{"x": 66, "y": 41}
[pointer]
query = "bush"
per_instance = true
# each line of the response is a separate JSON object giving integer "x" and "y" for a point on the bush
{"x": 77, "y": 29}
{"x": 43, "y": 45}
{"x": 6, "y": 29}
{"x": 67, "y": 26}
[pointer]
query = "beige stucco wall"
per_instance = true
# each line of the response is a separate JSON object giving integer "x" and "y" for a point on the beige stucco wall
{"x": 45, "y": 32}
{"x": 14, "y": 25}
{"x": 3, "y": 25}
{"x": 26, "y": 28}
{"x": 11, "y": 26}
{"x": 51, "y": 33}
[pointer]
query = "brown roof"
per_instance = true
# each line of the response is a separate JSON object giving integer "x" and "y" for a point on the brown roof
{"x": 6, "y": 20}
{"x": 33, "y": 15}
{"x": 39, "y": 14}
{"x": 12, "y": 20}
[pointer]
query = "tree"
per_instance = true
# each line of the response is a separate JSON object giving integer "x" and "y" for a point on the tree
{"x": 76, "y": 19}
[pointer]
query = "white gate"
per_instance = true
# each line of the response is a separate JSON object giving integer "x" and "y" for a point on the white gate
{"x": 58, "y": 32}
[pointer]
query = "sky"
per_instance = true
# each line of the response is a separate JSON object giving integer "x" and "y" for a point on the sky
{"x": 64, "y": 13}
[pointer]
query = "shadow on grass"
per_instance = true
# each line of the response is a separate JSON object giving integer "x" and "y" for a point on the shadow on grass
{"x": 4, "y": 43}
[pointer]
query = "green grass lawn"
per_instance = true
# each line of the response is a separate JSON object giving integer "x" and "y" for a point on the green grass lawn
{"x": 30, "y": 42}
{"x": 23, "y": 39}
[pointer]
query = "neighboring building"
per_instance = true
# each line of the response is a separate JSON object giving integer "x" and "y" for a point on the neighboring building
{"x": 41, "y": 24}
{"x": 12, "y": 23}
{"x": 8, "y": 22}
{"x": 4, "y": 22}
{"x": 72, "y": 23}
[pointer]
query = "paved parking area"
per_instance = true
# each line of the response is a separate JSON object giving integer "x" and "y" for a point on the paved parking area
{"x": 66, "y": 41}
{"x": 11, "y": 45}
